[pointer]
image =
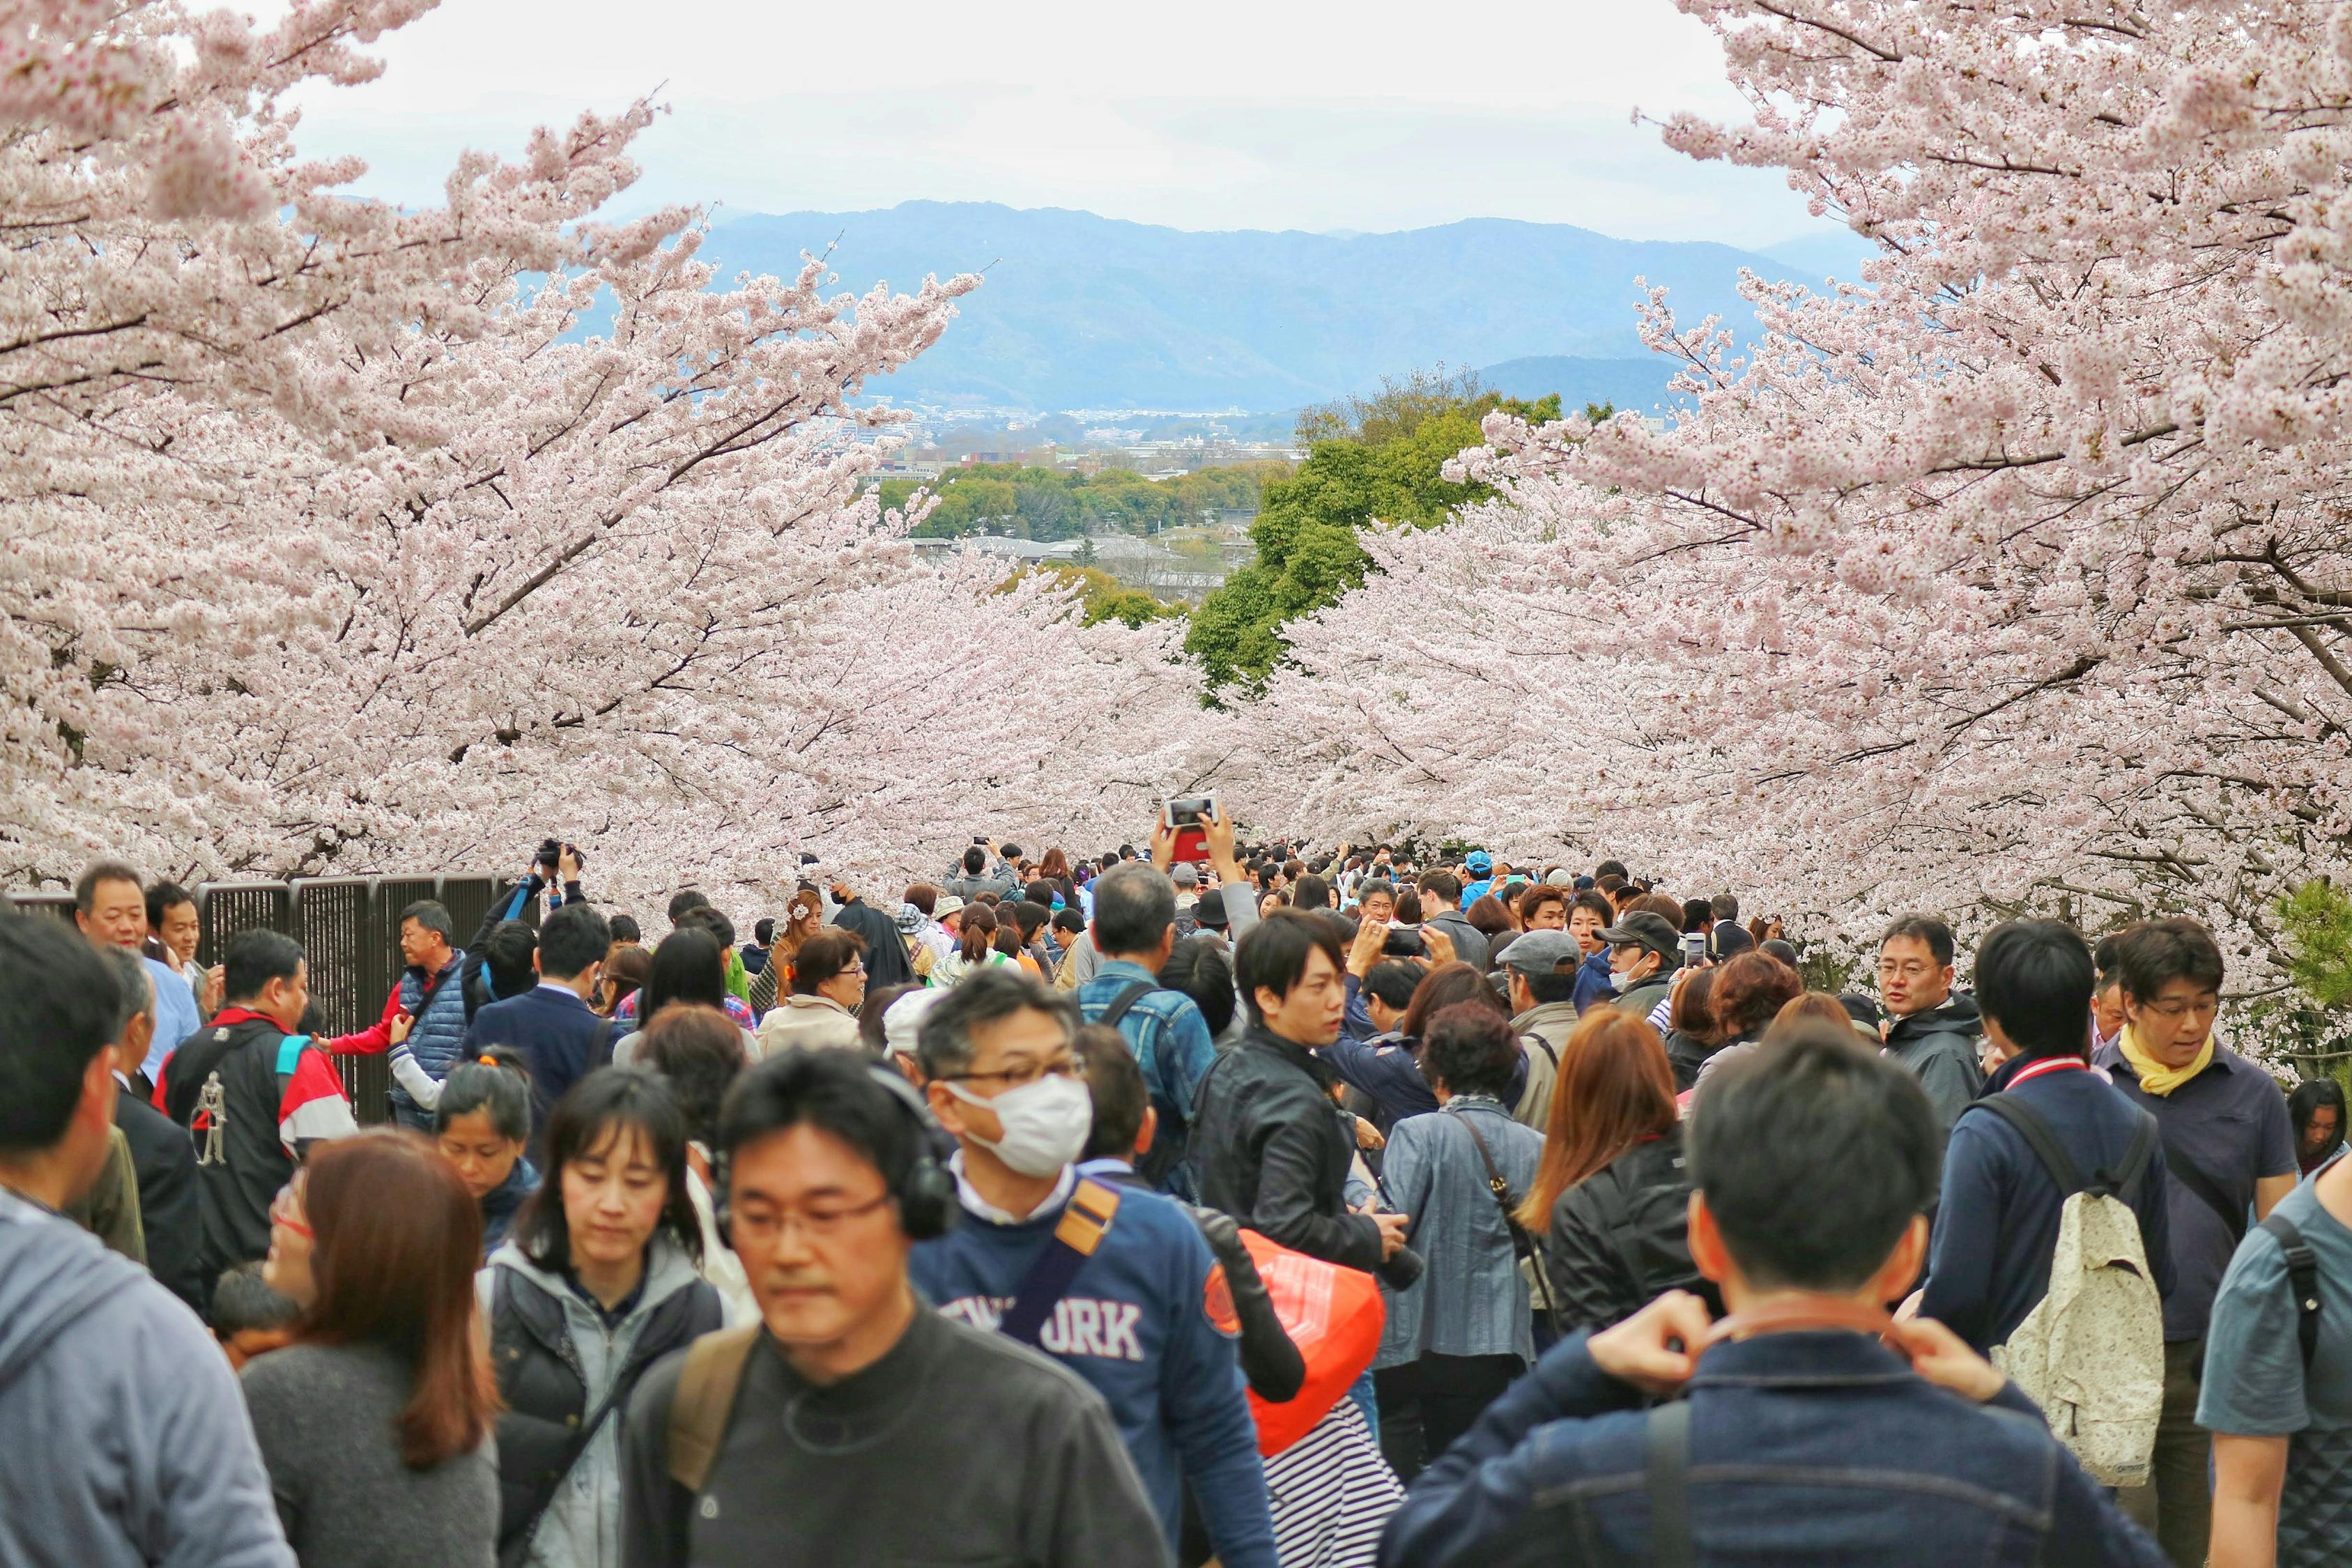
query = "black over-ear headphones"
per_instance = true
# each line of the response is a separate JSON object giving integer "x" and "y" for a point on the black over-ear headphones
{"x": 926, "y": 1198}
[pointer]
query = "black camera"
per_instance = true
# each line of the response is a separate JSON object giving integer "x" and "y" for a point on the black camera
{"x": 550, "y": 854}
{"x": 1404, "y": 944}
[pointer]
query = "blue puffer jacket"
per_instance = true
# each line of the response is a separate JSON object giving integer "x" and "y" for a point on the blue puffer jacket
{"x": 438, "y": 1036}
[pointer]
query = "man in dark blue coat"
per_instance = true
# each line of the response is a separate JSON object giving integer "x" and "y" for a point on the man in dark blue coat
{"x": 551, "y": 1024}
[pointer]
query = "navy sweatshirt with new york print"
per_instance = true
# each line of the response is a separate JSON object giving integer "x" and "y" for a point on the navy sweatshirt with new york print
{"x": 1135, "y": 1324}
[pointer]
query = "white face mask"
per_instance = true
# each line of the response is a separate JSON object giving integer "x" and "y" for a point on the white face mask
{"x": 1045, "y": 1123}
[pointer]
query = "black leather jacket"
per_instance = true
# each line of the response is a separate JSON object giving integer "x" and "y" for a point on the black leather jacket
{"x": 1269, "y": 1149}
{"x": 1619, "y": 1238}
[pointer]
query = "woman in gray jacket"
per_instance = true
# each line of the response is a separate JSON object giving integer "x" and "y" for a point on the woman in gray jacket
{"x": 598, "y": 1280}
{"x": 1458, "y": 1336}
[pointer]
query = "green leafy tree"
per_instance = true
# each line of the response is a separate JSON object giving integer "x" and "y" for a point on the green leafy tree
{"x": 1377, "y": 458}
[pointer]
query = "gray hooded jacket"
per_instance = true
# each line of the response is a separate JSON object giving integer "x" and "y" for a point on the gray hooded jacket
{"x": 125, "y": 1434}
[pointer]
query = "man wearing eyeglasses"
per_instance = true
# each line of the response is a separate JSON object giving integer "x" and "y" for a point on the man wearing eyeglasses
{"x": 1115, "y": 1283}
{"x": 2229, "y": 1147}
{"x": 1933, "y": 1033}
{"x": 854, "y": 1424}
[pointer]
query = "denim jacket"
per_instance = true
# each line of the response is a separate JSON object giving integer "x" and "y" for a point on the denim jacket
{"x": 1815, "y": 1447}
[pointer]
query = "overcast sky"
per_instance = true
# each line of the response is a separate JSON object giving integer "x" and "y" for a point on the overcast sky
{"x": 1274, "y": 114}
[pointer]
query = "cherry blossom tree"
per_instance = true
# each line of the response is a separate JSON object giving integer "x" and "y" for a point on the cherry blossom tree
{"x": 2012, "y": 577}
{"x": 333, "y": 544}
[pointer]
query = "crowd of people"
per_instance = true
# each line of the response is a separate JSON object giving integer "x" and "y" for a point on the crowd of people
{"x": 1272, "y": 1208}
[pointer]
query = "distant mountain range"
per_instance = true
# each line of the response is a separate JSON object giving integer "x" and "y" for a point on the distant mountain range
{"x": 1087, "y": 312}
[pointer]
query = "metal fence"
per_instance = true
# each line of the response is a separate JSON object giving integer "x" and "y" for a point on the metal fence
{"x": 349, "y": 930}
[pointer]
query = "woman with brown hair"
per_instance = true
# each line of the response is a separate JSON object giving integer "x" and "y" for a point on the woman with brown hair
{"x": 1749, "y": 991}
{"x": 1691, "y": 1035}
{"x": 1612, "y": 1192}
{"x": 373, "y": 1421}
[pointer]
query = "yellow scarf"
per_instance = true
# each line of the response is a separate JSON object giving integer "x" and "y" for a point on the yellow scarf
{"x": 2154, "y": 1075}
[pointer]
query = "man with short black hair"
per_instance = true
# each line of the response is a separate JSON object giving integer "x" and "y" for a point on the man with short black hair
{"x": 1933, "y": 1030}
{"x": 785, "y": 1440}
{"x": 426, "y": 1010}
{"x": 1118, "y": 1286}
{"x": 126, "y": 1436}
{"x": 1441, "y": 903}
{"x": 559, "y": 1036}
{"x": 163, "y": 1161}
{"x": 1134, "y": 928}
{"x": 1998, "y": 1222}
{"x": 1268, "y": 1146}
{"x": 1816, "y": 1429}
{"x": 2229, "y": 1149}
{"x": 1589, "y": 913}
{"x": 255, "y": 1094}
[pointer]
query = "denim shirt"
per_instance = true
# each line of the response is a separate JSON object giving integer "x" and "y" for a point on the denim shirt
{"x": 1816, "y": 1447}
{"x": 1471, "y": 1299}
{"x": 1171, "y": 1042}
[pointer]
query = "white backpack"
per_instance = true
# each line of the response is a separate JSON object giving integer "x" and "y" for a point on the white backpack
{"x": 2090, "y": 1353}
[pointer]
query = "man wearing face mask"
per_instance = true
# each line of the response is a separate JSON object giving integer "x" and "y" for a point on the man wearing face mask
{"x": 1644, "y": 951}
{"x": 1115, "y": 1283}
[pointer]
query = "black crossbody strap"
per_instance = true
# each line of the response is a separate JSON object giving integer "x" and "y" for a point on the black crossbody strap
{"x": 1666, "y": 1453}
{"x": 1136, "y": 991}
{"x": 2232, "y": 1214}
{"x": 1084, "y": 1221}
{"x": 2302, "y": 1280}
{"x": 2039, "y": 1138}
{"x": 1522, "y": 1244}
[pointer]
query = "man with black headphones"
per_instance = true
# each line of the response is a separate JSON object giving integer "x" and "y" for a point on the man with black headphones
{"x": 795, "y": 1439}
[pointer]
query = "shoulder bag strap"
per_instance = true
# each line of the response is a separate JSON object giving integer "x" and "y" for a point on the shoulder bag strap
{"x": 706, "y": 1386}
{"x": 2303, "y": 1279}
{"x": 2036, "y": 1132}
{"x": 2183, "y": 1171}
{"x": 1135, "y": 991}
{"x": 514, "y": 1547}
{"x": 1522, "y": 1244}
{"x": 1666, "y": 1456}
{"x": 1084, "y": 1221}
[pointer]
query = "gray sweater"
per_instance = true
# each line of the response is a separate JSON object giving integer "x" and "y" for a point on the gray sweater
{"x": 325, "y": 1416}
{"x": 955, "y": 1446}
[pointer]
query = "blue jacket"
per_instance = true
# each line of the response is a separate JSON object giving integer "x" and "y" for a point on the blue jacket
{"x": 1816, "y": 1447}
{"x": 438, "y": 1036}
{"x": 1134, "y": 1323}
{"x": 558, "y": 1034}
{"x": 1989, "y": 1263}
{"x": 1592, "y": 981}
{"x": 125, "y": 1432}
{"x": 1171, "y": 1045}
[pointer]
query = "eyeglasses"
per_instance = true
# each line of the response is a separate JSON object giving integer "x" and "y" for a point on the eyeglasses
{"x": 1021, "y": 1075}
{"x": 285, "y": 1206}
{"x": 1912, "y": 971}
{"x": 826, "y": 1222}
{"x": 2173, "y": 1012}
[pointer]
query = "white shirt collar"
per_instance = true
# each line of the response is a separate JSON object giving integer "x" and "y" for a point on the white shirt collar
{"x": 551, "y": 985}
{"x": 980, "y": 1207}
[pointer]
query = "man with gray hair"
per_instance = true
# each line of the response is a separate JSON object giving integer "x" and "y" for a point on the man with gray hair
{"x": 163, "y": 1159}
{"x": 1134, "y": 928}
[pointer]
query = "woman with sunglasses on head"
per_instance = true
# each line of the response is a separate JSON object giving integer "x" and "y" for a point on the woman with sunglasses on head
{"x": 373, "y": 1421}
{"x": 600, "y": 1279}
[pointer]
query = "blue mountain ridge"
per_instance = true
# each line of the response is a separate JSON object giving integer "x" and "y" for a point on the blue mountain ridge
{"x": 1081, "y": 311}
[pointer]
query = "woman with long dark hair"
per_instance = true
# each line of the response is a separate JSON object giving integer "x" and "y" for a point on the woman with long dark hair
{"x": 372, "y": 1420}
{"x": 598, "y": 1281}
{"x": 975, "y": 945}
{"x": 2316, "y": 1108}
{"x": 691, "y": 969}
{"x": 1612, "y": 1191}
